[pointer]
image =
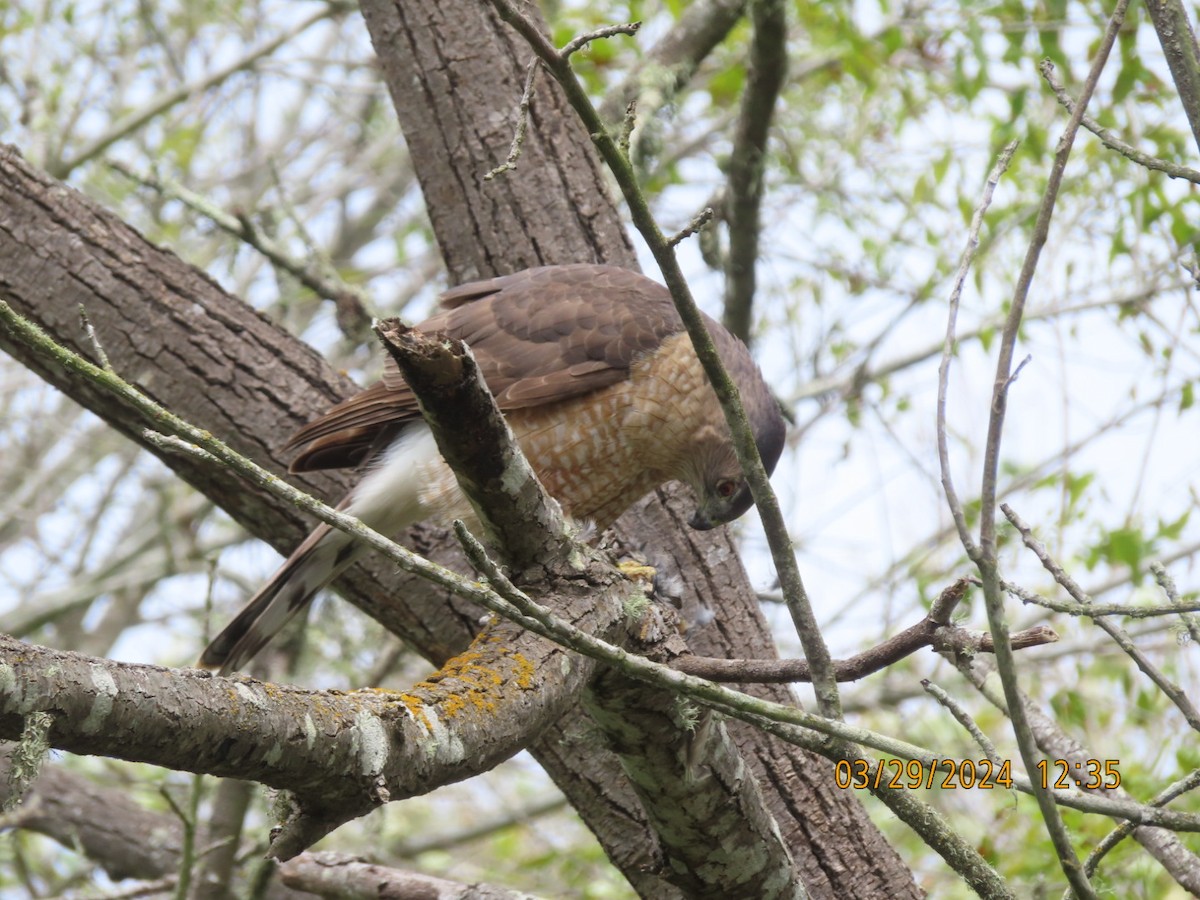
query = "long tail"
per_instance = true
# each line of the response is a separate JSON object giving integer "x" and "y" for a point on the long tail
{"x": 315, "y": 563}
{"x": 387, "y": 499}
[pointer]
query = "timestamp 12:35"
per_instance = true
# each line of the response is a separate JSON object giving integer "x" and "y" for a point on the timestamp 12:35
{"x": 1059, "y": 774}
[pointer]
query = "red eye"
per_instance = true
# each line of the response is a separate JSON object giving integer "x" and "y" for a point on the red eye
{"x": 726, "y": 489}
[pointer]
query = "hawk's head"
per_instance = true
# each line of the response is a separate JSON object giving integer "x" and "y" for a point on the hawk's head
{"x": 721, "y": 489}
{"x": 715, "y": 474}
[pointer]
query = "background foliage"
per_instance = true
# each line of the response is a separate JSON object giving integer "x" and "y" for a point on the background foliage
{"x": 271, "y": 115}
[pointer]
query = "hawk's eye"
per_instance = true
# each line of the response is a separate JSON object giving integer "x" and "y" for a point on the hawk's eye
{"x": 726, "y": 489}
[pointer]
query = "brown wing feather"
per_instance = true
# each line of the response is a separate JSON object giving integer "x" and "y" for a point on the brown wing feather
{"x": 540, "y": 336}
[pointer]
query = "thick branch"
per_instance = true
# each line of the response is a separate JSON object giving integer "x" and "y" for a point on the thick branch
{"x": 492, "y": 682}
{"x": 1178, "y": 41}
{"x": 524, "y": 525}
{"x": 693, "y": 788}
{"x": 348, "y": 752}
{"x": 339, "y": 875}
{"x": 748, "y": 161}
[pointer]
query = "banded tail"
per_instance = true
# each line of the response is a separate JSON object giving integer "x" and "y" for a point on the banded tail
{"x": 387, "y": 499}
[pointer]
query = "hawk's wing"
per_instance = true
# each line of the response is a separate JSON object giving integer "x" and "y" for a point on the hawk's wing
{"x": 540, "y": 336}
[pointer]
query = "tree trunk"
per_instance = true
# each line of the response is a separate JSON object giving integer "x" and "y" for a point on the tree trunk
{"x": 555, "y": 208}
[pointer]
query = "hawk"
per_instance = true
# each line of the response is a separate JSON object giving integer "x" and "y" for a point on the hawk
{"x": 602, "y": 389}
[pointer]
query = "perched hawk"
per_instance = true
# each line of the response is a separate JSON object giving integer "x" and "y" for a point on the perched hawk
{"x": 598, "y": 380}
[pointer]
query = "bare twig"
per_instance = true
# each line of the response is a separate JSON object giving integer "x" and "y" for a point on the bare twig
{"x": 582, "y": 40}
{"x": 935, "y": 631}
{"x": 963, "y": 718}
{"x": 1095, "y": 610}
{"x": 1190, "y": 622}
{"x": 94, "y": 339}
{"x": 514, "y": 152}
{"x": 947, "y": 638}
{"x": 699, "y": 220}
{"x": 1110, "y": 140}
{"x": 1173, "y": 692}
{"x": 949, "y": 344}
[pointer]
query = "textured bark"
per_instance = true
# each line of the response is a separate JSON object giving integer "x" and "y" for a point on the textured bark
{"x": 834, "y": 842}
{"x": 718, "y": 839}
{"x": 455, "y": 75}
{"x": 203, "y": 354}
{"x": 347, "y": 752}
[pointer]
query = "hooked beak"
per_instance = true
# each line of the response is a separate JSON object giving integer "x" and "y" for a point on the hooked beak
{"x": 714, "y": 511}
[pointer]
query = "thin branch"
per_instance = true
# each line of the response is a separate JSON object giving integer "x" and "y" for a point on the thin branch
{"x": 582, "y": 40}
{"x": 417, "y": 843}
{"x": 935, "y": 630}
{"x": 518, "y": 141}
{"x": 987, "y": 561}
{"x": 94, "y": 339}
{"x": 849, "y": 383}
{"x": 1173, "y": 692}
{"x": 964, "y": 719}
{"x": 1190, "y": 622}
{"x": 699, "y": 220}
{"x": 1109, "y": 139}
{"x": 950, "y": 343}
{"x": 1095, "y": 610}
{"x": 1052, "y": 741}
{"x": 948, "y": 638}
{"x": 1184, "y": 785}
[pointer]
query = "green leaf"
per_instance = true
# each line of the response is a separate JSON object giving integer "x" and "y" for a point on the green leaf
{"x": 1172, "y": 530}
{"x": 1122, "y": 546}
{"x": 986, "y": 336}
